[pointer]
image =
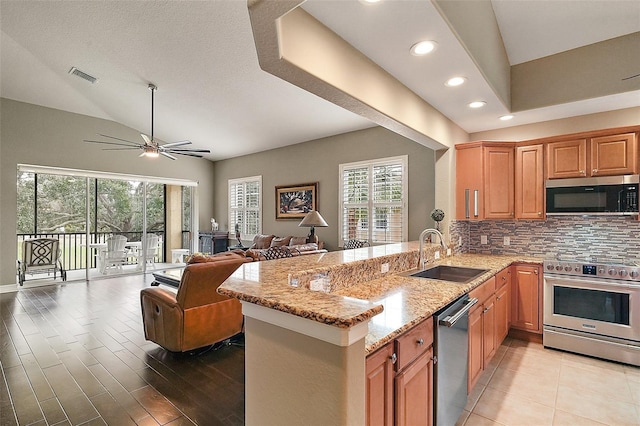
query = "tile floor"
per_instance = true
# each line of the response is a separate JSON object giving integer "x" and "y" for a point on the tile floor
{"x": 526, "y": 384}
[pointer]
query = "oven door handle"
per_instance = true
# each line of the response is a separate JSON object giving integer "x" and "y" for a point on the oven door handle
{"x": 578, "y": 282}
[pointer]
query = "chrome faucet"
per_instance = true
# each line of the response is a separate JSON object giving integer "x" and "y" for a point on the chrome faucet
{"x": 422, "y": 261}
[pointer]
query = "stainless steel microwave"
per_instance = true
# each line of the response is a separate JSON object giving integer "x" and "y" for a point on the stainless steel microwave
{"x": 610, "y": 195}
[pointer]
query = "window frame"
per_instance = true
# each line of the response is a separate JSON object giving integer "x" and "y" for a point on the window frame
{"x": 370, "y": 205}
{"x": 231, "y": 216}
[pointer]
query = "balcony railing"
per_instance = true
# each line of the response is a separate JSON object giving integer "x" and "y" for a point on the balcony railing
{"x": 74, "y": 246}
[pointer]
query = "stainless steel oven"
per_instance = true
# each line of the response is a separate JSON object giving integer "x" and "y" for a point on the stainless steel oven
{"x": 593, "y": 309}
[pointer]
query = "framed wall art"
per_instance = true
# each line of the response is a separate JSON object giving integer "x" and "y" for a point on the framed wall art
{"x": 295, "y": 201}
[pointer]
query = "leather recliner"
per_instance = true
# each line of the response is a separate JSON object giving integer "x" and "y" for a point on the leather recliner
{"x": 197, "y": 315}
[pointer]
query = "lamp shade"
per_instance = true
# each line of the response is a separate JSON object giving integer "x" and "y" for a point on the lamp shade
{"x": 313, "y": 218}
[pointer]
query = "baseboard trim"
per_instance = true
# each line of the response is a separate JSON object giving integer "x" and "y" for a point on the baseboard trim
{"x": 527, "y": 336}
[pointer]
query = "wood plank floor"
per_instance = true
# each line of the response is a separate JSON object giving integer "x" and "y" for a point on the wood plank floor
{"x": 75, "y": 354}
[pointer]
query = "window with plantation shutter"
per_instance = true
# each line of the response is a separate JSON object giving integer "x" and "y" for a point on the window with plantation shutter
{"x": 373, "y": 201}
{"x": 245, "y": 206}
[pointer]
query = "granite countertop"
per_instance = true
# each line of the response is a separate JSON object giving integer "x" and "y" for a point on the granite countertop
{"x": 394, "y": 302}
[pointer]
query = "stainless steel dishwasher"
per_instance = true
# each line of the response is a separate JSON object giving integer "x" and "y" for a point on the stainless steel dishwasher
{"x": 450, "y": 370}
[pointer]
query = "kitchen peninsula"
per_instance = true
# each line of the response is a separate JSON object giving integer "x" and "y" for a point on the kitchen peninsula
{"x": 306, "y": 350}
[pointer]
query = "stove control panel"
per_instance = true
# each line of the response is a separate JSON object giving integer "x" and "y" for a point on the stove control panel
{"x": 619, "y": 272}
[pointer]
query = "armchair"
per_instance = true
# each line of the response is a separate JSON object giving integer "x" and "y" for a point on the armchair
{"x": 40, "y": 255}
{"x": 197, "y": 315}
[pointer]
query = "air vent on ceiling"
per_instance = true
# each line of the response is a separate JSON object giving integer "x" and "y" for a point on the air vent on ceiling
{"x": 83, "y": 75}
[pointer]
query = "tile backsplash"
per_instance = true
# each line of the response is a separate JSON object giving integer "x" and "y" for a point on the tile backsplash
{"x": 616, "y": 238}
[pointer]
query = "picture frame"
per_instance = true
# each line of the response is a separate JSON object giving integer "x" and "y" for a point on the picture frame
{"x": 295, "y": 201}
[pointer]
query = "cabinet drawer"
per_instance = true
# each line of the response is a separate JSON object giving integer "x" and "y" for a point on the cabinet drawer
{"x": 413, "y": 343}
{"x": 484, "y": 291}
{"x": 503, "y": 278}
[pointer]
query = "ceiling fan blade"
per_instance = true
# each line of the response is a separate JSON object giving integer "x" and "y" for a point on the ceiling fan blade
{"x": 168, "y": 155}
{"x": 137, "y": 145}
{"x": 178, "y": 150}
{"x": 187, "y": 154}
{"x": 147, "y": 141}
{"x": 119, "y": 149}
{"x": 179, "y": 143}
{"x": 118, "y": 139}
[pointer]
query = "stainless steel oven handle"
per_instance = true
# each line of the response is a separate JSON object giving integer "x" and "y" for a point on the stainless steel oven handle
{"x": 451, "y": 320}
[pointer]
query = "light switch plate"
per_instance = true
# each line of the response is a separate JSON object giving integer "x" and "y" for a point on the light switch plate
{"x": 483, "y": 239}
{"x": 436, "y": 255}
{"x": 384, "y": 268}
{"x": 507, "y": 241}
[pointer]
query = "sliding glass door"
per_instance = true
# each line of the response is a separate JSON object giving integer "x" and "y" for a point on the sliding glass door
{"x": 106, "y": 225}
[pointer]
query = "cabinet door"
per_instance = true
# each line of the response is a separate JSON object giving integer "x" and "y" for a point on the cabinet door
{"x": 614, "y": 155}
{"x": 567, "y": 159}
{"x": 379, "y": 387}
{"x": 525, "y": 307}
{"x": 502, "y": 306}
{"x": 529, "y": 181}
{"x": 475, "y": 346}
{"x": 414, "y": 392}
{"x": 488, "y": 331}
{"x": 468, "y": 183}
{"x": 498, "y": 183}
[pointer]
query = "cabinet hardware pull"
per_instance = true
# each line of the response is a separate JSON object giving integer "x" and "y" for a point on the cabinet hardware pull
{"x": 498, "y": 297}
{"x": 466, "y": 203}
{"x": 539, "y": 213}
{"x": 582, "y": 172}
{"x": 594, "y": 171}
{"x": 393, "y": 358}
{"x": 504, "y": 278}
{"x": 535, "y": 272}
{"x": 476, "y": 197}
{"x": 487, "y": 309}
{"x": 420, "y": 342}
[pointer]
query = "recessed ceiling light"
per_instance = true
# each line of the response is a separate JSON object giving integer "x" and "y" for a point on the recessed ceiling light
{"x": 506, "y": 117}
{"x": 477, "y": 104}
{"x": 423, "y": 47}
{"x": 369, "y": 1}
{"x": 455, "y": 81}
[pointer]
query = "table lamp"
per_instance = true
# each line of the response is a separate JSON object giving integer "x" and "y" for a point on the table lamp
{"x": 311, "y": 220}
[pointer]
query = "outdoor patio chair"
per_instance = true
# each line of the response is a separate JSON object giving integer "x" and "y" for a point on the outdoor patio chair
{"x": 147, "y": 253}
{"x": 40, "y": 255}
{"x": 115, "y": 255}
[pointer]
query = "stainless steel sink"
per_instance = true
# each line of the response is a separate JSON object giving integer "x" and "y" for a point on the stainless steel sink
{"x": 456, "y": 274}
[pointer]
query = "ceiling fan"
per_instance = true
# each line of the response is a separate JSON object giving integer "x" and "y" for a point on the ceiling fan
{"x": 151, "y": 148}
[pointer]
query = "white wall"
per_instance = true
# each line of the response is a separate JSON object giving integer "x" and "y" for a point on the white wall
{"x": 31, "y": 134}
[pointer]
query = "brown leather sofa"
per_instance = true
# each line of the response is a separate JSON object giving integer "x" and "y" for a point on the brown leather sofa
{"x": 297, "y": 245}
{"x": 197, "y": 315}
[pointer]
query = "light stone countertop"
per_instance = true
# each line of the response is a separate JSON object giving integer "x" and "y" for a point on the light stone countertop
{"x": 394, "y": 302}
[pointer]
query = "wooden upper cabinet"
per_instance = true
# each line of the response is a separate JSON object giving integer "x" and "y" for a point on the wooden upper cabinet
{"x": 567, "y": 159}
{"x": 608, "y": 155}
{"x": 529, "y": 182}
{"x": 485, "y": 181}
{"x": 498, "y": 183}
{"x": 614, "y": 155}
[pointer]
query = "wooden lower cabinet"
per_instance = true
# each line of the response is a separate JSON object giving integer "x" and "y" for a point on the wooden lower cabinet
{"x": 526, "y": 311}
{"x": 488, "y": 323}
{"x": 399, "y": 380}
{"x": 414, "y": 392}
{"x": 476, "y": 357}
{"x": 379, "y": 387}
